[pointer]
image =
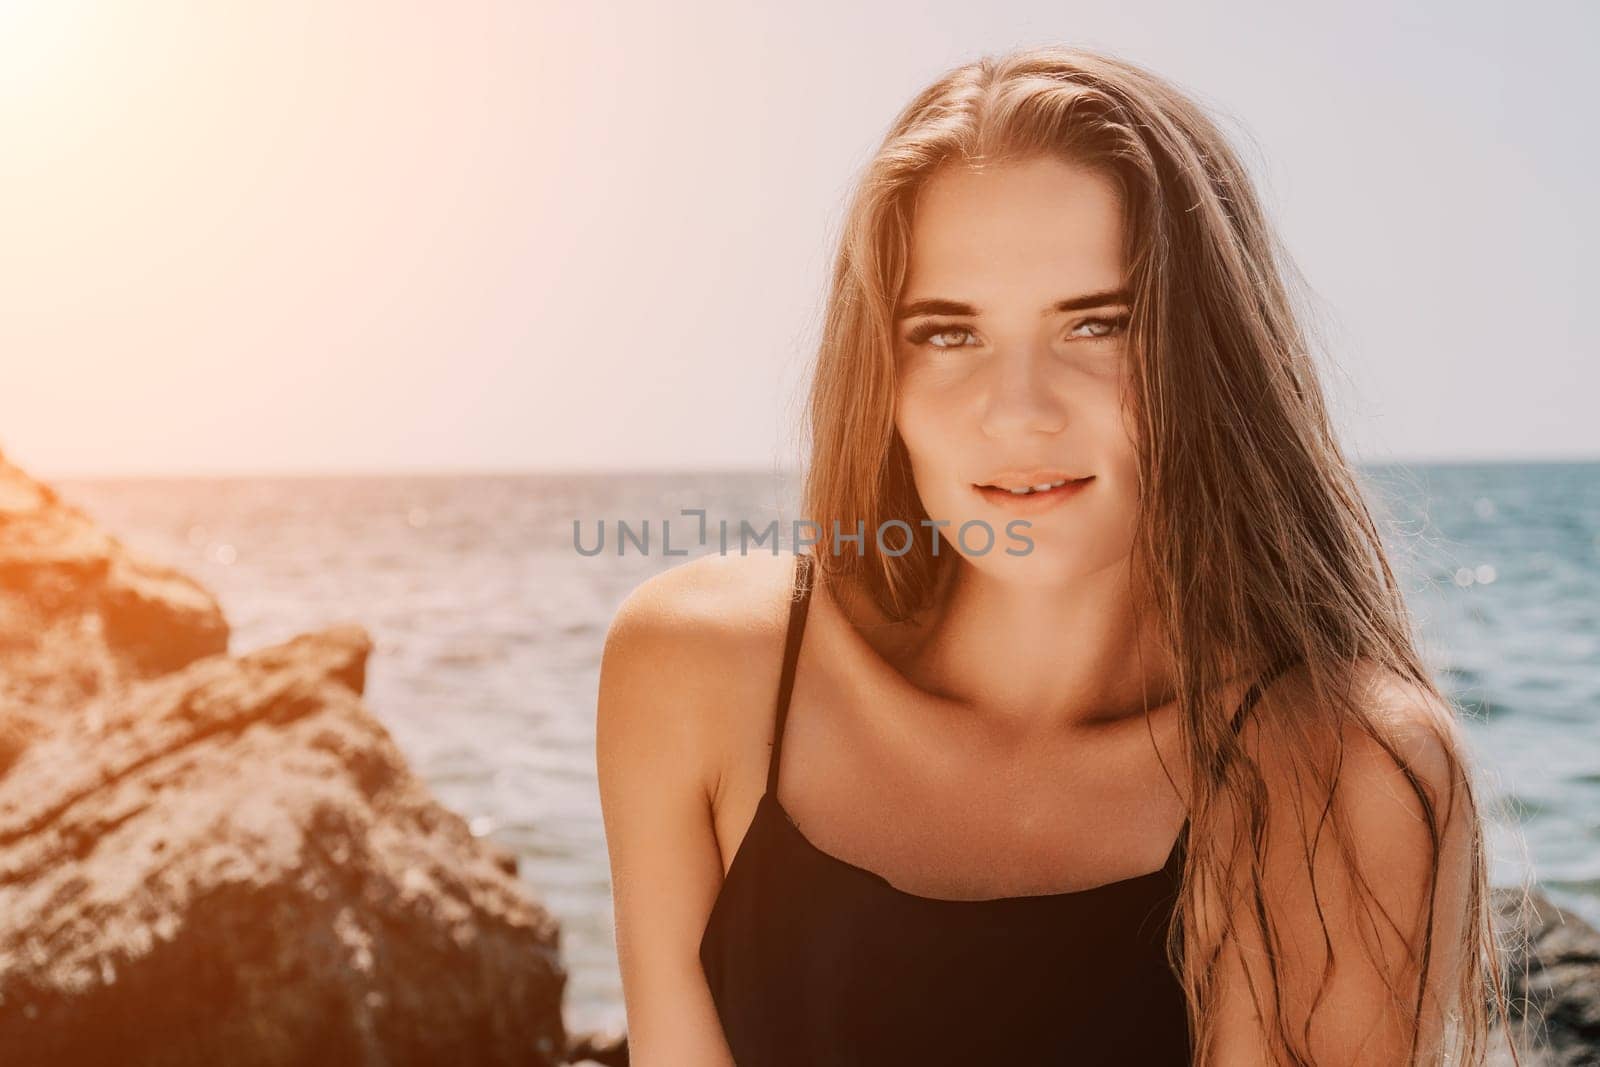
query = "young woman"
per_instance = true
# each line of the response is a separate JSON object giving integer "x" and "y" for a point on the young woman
{"x": 1166, "y": 783}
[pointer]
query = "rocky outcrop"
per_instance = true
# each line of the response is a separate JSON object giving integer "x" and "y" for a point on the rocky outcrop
{"x": 1554, "y": 984}
{"x": 80, "y": 615}
{"x": 207, "y": 859}
{"x": 235, "y": 865}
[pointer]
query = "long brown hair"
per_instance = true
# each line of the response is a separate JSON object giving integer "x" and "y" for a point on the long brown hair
{"x": 1254, "y": 544}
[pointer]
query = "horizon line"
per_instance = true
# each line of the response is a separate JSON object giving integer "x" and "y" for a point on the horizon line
{"x": 501, "y": 470}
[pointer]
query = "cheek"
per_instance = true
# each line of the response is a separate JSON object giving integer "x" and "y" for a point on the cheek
{"x": 923, "y": 424}
{"x": 926, "y": 425}
{"x": 1117, "y": 453}
{"x": 1125, "y": 449}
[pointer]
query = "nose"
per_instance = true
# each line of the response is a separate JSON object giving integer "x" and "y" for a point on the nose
{"x": 1020, "y": 397}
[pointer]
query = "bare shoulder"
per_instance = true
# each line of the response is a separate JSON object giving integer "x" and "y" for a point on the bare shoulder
{"x": 692, "y": 645}
{"x": 701, "y": 614}
{"x": 1365, "y": 840}
{"x": 1395, "y": 734}
{"x": 707, "y": 595}
{"x": 681, "y": 655}
{"x": 1380, "y": 788}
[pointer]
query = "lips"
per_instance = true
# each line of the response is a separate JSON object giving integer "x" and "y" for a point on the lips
{"x": 1037, "y": 500}
{"x": 1038, "y": 478}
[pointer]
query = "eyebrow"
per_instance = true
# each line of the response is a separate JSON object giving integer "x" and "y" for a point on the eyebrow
{"x": 955, "y": 307}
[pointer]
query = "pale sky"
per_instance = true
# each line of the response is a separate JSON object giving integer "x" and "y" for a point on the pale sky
{"x": 335, "y": 236}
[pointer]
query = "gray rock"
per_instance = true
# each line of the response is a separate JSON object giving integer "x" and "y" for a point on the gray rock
{"x": 1553, "y": 960}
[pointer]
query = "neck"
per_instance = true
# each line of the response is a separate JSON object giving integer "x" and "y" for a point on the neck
{"x": 1028, "y": 657}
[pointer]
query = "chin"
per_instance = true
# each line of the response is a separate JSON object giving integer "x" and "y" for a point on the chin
{"x": 1055, "y": 556}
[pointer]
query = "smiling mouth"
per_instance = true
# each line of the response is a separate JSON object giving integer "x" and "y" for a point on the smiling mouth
{"x": 1035, "y": 490}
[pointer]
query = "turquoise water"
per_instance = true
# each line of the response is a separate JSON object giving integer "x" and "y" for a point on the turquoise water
{"x": 488, "y": 629}
{"x": 1501, "y": 565}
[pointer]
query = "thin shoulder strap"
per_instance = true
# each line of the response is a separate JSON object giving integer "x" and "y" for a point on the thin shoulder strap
{"x": 799, "y": 602}
{"x": 1251, "y": 696}
{"x": 1257, "y": 687}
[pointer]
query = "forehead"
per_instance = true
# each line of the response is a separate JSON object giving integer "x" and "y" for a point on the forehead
{"x": 1056, "y": 222}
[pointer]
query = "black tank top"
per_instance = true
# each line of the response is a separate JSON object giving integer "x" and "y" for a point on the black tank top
{"x": 812, "y": 960}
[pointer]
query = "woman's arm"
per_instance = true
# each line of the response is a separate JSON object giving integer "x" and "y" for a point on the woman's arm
{"x": 1354, "y": 1019}
{"x": 654, "y": 752}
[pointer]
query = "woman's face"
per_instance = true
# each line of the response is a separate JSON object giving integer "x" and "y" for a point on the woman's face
{"x": 1011, "y": 361}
